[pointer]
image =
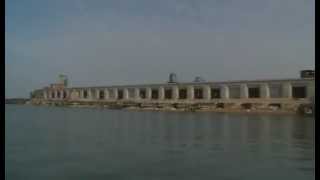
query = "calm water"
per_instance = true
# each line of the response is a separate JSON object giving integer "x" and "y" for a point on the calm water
{"x": 79, "y": 143}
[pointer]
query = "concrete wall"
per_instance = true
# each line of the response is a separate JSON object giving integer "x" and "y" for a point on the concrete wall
{"x": 270, "y": 90}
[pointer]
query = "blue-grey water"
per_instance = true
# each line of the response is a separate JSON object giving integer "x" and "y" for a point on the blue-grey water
{"x": 84, "y": 143}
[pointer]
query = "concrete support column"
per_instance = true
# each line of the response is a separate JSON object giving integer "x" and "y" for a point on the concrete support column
{"x": 97, "y": 94}
{"x": 55, "y": 94}
{"x": 161, "y": 93}
{"x": 206, "y": 92}
{"x": 225, "y": 92}
{"x": 264, "y": 90}
{"x": 61, "y": 94}
{"x": 68, "y": 92}
{"x": 115, "y": 93}
{"x": 89, "y": 94}
{"x": 45, "y": 94}
{"x": 311, "y": 90}
{"x": 148, "y": 93}
{"x": 81, "y": 95}
{"x": 48, "y": 95}
{"x": 287, "y": 90}
{"x": 190, "y": 92}
{"x": 136, "y": 93}
{"x": 175, "y": 93}
{"x": 73, "y": 94}
{"x": 125, "y": 94}
{"x": 244, "y": 91}
{"x": 106, "y": 94}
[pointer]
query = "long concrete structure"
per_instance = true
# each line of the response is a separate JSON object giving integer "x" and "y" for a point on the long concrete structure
{"x": 282, "y": 93}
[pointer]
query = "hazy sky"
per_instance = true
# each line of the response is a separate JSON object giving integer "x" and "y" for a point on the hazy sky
{"x": 111, "y": 42}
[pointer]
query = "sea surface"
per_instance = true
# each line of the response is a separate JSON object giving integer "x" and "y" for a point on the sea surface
{"x": 63, "y": 143}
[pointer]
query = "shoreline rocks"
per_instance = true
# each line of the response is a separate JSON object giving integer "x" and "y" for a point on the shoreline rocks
{"x": 195, "y": 107}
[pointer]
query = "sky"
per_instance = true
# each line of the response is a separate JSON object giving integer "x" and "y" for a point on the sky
{"x": 118, "y": 42}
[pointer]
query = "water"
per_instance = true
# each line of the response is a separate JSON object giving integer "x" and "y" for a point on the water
{"x": 83, "y": 143}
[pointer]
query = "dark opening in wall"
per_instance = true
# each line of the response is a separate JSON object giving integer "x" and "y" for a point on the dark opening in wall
{"x": 254, "y": 92}
{"x": 142, "y": 93}
{"x": 52, "y": 95}
{"x": 275, "y": 105}
{"x": 85, "y": 94}
{"x": 154, "y": 94}
{"x": 246, "y": 105}
{"x": 120, "y": 94}
{"x": 299, "y": 92}
{"x": 101, "y": 94}
{"x": 220, "y": 105}
{"x": 215, "y": 93}
{"x": 182, "y": 93}
{"x": 198, "y": 93}
{"x": 64, "y": 94}
{"x": 58, "y": 94}
{"x": 168, "y": 94}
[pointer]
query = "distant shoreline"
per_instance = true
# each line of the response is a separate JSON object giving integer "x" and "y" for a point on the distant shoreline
{"x": 16, "y": 100}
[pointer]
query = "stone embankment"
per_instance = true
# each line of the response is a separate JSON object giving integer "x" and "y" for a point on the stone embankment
{"x": 305, "y": 109}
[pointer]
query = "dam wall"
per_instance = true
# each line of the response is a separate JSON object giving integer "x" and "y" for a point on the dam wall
{"x": 286, "y": 94}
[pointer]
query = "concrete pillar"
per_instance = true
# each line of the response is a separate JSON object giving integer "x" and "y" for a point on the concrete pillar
{"x": 264, "y": 91}
{"x": 136, "y": 93}
{"x": 68, "y": 92}
{"x": 45, "y": 94}
{"x": 206, "y": 92}
{"x": 48, "y": 95}
{"x": 97, "y": 94}
{"x": 115, "y": 93}
{"x": 106, "y": 94}
{"x": 225, "y": 92}
{"x": 287, "y": 90}
{"x": 311, "y": 90}
{"x": 161, "y": 93}
{"x": 55, "y": 94}
{"x": 190, "y": 92}
{"x": 175, "y": 93}
{"x": 125, "y": 94}
{"x": 244, "y": 91}
{"x": 148, "y": 93}
{"x": 81, "y": 94}
{"x": 89, "y": 94}
{"x": 61, "y": 94}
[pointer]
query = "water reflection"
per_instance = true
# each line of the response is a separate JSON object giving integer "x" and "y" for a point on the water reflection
{"x": 159, "y": 141}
